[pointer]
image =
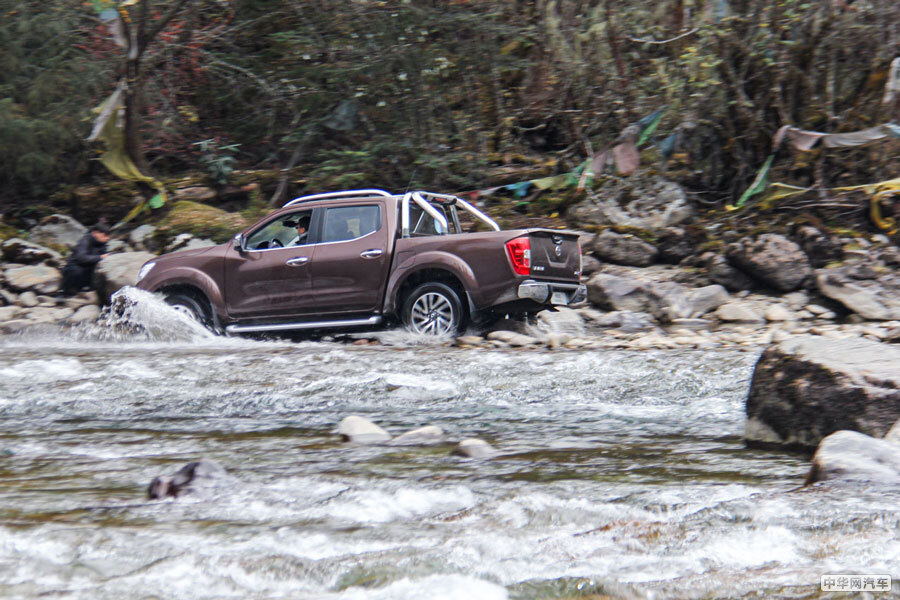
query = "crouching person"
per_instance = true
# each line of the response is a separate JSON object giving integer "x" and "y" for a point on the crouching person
{"x": 79, "y": 270}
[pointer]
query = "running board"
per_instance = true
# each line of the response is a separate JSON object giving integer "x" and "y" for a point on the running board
{"x": 374, "y": 320}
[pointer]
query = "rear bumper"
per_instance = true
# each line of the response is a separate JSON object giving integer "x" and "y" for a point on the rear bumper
{"x": 548, "y": 292}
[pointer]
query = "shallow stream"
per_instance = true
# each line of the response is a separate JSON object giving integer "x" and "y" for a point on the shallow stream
{"x": 623, "y": 473}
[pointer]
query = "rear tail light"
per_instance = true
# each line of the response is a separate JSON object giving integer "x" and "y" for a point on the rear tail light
{"x": 520, "y": 254}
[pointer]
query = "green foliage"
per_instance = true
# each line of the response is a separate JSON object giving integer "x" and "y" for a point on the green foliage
{"x": 218, "y": 160}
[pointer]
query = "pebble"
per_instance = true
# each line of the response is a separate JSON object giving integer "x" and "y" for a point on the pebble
{"x": 776, "y": 312}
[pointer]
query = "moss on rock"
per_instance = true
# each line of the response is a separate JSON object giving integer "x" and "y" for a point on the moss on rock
{"x": 200, "y": 220}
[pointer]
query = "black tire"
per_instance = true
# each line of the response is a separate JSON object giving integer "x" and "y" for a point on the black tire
{"x": 192, "y": 306}
{"x": 433, "y": 309}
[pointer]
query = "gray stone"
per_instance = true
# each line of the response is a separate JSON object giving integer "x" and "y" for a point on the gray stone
{"x": 29, "y": 253}
{"x": 627, "y": 321}
{"x": 674, "y": 246}
{"x": 560, "y": 320}
{"x": 739, "y": 312}
{"x": 8, "y": 313}
{"x": 85, "y": 314}
{"x": 590, "y": 265}
{"x": 474, "y": 448}
{"x": 469, "y": 340}
{"x": 179, "y": 242}
{"x": 877, "y": 300}
{"x": 624, "y": 249}
{"x": 611, "y": 292}
{"x": 15, "y": 325}
{"x": 61, "y": 230}
{"x": 45, "y": 314}
{"x": 719, "y": 271}
{"x": 819, "y": 248}
{"x": 118, "y": 270}
{"x": 28, "y": 299}
{"x": 360, "y": 430}
{"x": 777, "y": 312}
{"x": 141, "y": 235}
{"x": 648, "y": 202}
{"x": 854, "y": 456}
{"x": 429, "y": 434}
{"x": 808, "y": 387}
{"x": 772, "y": 259}
{"x": 195, "y": 194}
{"x": 36, "y": 278}
{"x": 7, "y": 297}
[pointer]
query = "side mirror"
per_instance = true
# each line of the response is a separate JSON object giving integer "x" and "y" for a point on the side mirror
{"x": 239, "y": 241}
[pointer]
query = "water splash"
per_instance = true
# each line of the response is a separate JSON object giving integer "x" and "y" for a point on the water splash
{"x": 135, "y": 314}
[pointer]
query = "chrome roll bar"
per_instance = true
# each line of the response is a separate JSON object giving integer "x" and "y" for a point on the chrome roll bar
{"x": 342, "y": 194}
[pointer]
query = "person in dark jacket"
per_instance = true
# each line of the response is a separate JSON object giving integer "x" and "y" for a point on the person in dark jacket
{"x": 79, "y": 270}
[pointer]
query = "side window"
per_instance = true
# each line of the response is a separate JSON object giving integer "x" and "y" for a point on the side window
{"x": 350, "y": 222}
{"x": 421, "y": 223}
{"x": 286, "y": 230}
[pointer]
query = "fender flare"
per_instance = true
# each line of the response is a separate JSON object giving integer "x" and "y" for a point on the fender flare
{"x": 198, "y": 279}
{"x": 435, "y": 260}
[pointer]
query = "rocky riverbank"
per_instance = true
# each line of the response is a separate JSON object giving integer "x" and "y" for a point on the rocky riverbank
{"x": 664, "y": 292}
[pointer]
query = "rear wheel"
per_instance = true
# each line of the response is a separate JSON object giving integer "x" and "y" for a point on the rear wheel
{"x": 433, "y": 309}
{"x": 190, "y": 305}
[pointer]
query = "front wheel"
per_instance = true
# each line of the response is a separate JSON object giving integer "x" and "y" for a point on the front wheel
{"x": 191, "y": 306}
{"x": 433, "y": 309}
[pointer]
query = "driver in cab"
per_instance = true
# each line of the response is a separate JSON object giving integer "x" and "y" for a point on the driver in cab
{"x": 302, "y": 227}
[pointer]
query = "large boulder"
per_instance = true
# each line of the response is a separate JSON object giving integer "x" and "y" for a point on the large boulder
{"x": 854, "y": 456}
{"x": 808, "y": 387}
{"x": 666, "y": 300}
{"x": 58, "y": 230}
{"x": 648, "y": 202}
{"x": 875, "y": 299}
{"x": 18, "y": 250}
{"x": 116, "y": 271}
{"x": 621, "y": 249}
{"x": 36, "y": 278}
{"x": 200, "y": 221}
{"x": 772, "y": 259}
{"x": 720, "y": 271}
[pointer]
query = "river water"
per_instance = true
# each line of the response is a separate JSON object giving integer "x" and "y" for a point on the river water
{"x": 623, "y": 474}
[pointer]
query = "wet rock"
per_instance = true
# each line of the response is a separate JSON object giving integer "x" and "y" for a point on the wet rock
{"x": 624, "y": 249}
{"x": 15, "y": 325}
{"x": 429, "y": 434}
{"x": 85, "y": 314}
{"x": 819, "y": 247}
{"x": 512, "y": 338}
{"x": 648, "y": 202}
{"x": 36, "y": 278}
{"x": 190, "y": 478}
{"x": 806, "y": 388}
{"x": 60, "y": 230}
{"x": 469, "y": 340}
{"x": 8, "y": 313}
{"x": 772, "y": 259}
{"x": 854, "y": 456}
{"x": 141, "y": 237}
{"x": 117, "y": 271}
{"x": 474, "y": 448}
{"x": 877, "y": 300}
{"x": 719, "y": 271}
{"x": 29, "y": 253}
{"x": 738, "y": 312}
{"x": 360, "y": 430}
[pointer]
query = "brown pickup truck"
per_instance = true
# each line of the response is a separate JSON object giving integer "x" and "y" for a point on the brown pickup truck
{"x": 367, "y": 257}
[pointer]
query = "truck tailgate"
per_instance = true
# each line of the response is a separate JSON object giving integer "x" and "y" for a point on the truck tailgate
{"x": 555, "y": 254}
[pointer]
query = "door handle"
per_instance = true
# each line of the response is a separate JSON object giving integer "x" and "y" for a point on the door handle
{"x": 297, "y": 261}
{"x": 374, "y": 253}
